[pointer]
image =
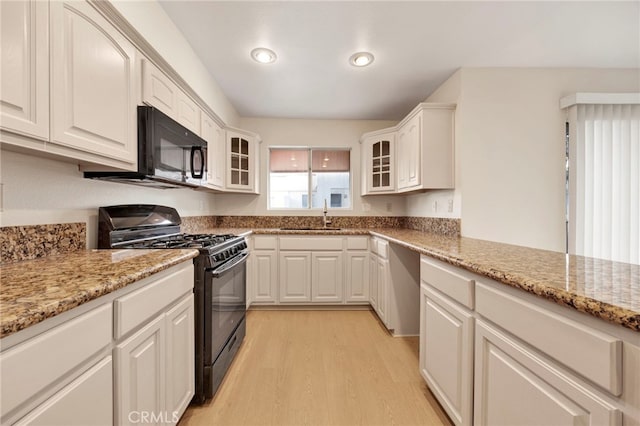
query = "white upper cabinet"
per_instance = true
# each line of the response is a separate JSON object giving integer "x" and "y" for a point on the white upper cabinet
{"x": 242, "y": 150}
{"x": 415, "y": 155}
{"x": 93, "y": 84}
{"x": 378, "y": 162}
{"x": 24, "y": 86}
{"x": 159, "y": 91}
{"x": 409, "y": 152}
{"x": 216, "y": 154}
{"x": 425, "y": 148}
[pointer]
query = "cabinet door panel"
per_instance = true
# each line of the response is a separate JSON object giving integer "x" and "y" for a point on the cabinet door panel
{"x": 373, "y": 281}
{"x": 86, "y": 401}
{"x": 188, "y": 113}
{"x": 24, "y": 66}
{"x": 158, "y": 90}
{"x": 514, "y": 385}
{"x": 214, "y": 135}
{"x": 326, "y": 282}
{"x": 93, "y": 83}
{"x": 140, "y": 366}
{"x": 180, "y": 380}
{"x": 357, "y": 273}
{"x": 265, "y": 276}
{"x": 295, "y": 277}
{"x": 383, "y": 282}
{"x": 447, "y": 354}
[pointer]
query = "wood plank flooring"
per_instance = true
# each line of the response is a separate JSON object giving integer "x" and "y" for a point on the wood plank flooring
{"x": 321, "y": 368}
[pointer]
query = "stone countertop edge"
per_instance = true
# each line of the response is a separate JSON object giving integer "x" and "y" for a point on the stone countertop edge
{"x": 608, "y": 312}
{"x": 60, "y": 283}
{"x": 505, "y": 274}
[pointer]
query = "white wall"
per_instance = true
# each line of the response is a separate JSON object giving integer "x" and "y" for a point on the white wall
{"x": 153, "y": 23}
{"x": 510, "y": 149}
{"x": 313, "y": 133}
{"x": 40, "y": 191}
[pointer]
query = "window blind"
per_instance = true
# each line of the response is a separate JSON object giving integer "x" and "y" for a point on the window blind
{"x": 605, "y": 191}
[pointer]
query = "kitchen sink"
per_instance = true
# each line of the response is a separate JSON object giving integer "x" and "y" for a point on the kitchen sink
{"x": 328, "y": 228}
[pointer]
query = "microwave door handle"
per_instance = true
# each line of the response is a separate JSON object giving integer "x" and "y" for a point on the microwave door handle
{"x": 195, "y": 149}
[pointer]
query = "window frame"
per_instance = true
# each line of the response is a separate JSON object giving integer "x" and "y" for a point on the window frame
{"x": 310, "y": 207}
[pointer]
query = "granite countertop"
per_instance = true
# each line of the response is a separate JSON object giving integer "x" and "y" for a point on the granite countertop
{"x": 604, "y": 289}
{"x": 607, "y": 290}
{"x": 34, "y": 290}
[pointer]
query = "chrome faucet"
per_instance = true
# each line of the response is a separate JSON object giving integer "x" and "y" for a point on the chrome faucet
{"x": 325, "y": 221}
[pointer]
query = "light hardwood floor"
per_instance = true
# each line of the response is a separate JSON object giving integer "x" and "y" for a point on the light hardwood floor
{"x": 321, "y": 368}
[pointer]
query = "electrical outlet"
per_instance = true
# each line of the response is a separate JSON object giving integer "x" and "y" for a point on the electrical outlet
{"x": 450, "y": 206}
{"x": 389, "y": 207}
{"x": 366, "y": 207}
{"x": 434, "y": 206}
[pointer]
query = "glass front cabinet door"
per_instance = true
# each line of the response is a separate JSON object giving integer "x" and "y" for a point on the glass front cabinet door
{"x": 379, "y": 176}
{"x": 242, "y": 163}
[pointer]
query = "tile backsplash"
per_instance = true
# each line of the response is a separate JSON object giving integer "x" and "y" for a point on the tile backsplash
{"x": 32, "y": 241}
{"x": 444, "y": 226}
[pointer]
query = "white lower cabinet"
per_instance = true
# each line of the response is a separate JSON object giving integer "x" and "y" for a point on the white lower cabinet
{"x": 295, "y": 276}
{"x": 154, "y": 367}
{"x": 516, "y": 385}
{"x": 84, "y": 402}
{"x": 125, "y": 358}
{"x": 382, "y": 286}
{"x": 180, "y": 362}
{"x": 373, "y": 281}
{"x": 446, "y": 355}
{"x": 311, "y": 269}
{"x": 357, "y": 277}
{"x": 140, "y": 373}
{"x": 446, "y": 337}
{"x": 394, "y": 286}
{"x": 326, "y": 276}
{"x": 495, "y": 355}
{"x": 263, "y": 270}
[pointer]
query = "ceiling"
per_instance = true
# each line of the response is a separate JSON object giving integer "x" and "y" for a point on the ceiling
{"x": 417, "y": 45}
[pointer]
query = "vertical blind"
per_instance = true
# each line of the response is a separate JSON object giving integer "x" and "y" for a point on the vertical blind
{"x": 606, "y": 191}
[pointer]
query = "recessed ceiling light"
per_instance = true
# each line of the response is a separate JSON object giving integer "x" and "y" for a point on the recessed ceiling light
{"x": 361, "y": 59}
{"x": 263, "y": 55}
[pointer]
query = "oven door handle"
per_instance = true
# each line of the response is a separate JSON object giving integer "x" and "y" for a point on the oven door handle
{"x": 217, "y": 273}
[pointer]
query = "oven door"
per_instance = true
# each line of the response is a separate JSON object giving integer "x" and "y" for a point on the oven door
{"x": 225, "y": 298}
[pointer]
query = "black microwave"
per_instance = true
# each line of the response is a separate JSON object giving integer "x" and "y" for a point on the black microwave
{"x": 169, "y": 154}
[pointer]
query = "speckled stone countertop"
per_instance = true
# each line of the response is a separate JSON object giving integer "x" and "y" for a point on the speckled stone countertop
{"x": 604, "y": 289}
{"x": 34, "y": 290}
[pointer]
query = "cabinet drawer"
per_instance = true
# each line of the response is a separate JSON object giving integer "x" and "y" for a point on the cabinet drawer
{"x": 313, "y": 243}
{"x": 40, "y": 361}
{"x": 357, "y": 243}
{"x": 88, "y": 400}
{"x": 454, "y": 285}
{"x": 135, "y": 308}
{"x": 595, "y": 355}
{"x": 265, "y": 243}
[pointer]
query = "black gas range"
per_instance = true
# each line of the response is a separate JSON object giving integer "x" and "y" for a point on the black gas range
{"x": 219, "y": 281}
